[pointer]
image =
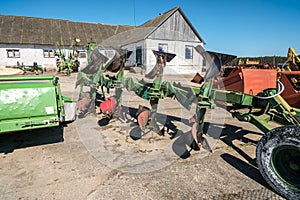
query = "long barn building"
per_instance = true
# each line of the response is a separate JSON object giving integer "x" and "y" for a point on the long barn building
{"x": 27, "y": 40}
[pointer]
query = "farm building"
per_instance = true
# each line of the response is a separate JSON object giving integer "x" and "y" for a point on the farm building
{"x": 27, "y": 40}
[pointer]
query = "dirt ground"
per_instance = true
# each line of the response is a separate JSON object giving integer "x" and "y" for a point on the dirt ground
{"x": 87, "y": 160}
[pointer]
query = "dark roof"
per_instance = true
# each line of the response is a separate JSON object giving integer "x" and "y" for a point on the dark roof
{"x": 30, "y": 30}
{"x": 144, "y": 30}
{"x": 128, "y": 37}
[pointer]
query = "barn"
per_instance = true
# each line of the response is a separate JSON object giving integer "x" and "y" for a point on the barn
{"x": 27, "y": 40}
{"x": 169, "y": 32}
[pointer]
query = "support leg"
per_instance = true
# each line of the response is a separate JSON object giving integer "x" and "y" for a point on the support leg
{"x": 199, "y": 138}
{"x": 153, "y": 124}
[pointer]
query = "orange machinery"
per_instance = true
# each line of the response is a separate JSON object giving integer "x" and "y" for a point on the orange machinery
{"x": 249, "y": 81}
{"x": 254, "y": 78}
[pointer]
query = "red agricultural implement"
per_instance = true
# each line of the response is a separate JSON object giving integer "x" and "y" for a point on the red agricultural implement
{"x": 253, "y": 78}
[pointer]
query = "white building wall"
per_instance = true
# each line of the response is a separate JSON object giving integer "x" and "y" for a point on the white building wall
{"x": 132, "y": 47}
{"x": 175, "y": 28}
{"x": 179, "y": 65}
{"x": 83, "y": 60}
{"x": 30, "y": 54}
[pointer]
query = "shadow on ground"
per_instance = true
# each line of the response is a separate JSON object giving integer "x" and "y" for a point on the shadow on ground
{"x": 248, "y": 167}
{"x": 231, "y": 133}
{"x": 183, "y": 141}
{"x": 183, "y": 144}
{"x": 23, "y": 139}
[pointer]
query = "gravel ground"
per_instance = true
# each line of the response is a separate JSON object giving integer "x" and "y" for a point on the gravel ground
{"x": 83, "y": 160}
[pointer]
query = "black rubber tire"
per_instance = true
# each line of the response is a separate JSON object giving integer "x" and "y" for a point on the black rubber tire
{"x": 286, "y": 137}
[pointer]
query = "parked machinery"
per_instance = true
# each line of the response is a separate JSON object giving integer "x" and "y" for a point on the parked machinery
{"x": 32, "y": 102}
{"x": 289, "y": 75}
{"x": 293, "y": 61}
{"x": 35, "y": 68}
{"x": 278, "y": 151}
{"x": 67, "y": 62}
{"x": 250, "y": 78}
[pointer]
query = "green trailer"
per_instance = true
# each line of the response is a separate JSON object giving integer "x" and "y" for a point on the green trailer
{"x": 30, "y": 102}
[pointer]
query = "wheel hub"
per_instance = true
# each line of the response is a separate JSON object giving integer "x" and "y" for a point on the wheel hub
{"x": 286, "y": 164}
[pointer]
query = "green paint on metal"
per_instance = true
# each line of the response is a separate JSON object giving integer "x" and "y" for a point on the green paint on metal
{"x": 33, "y": 100}
{"x": 285, "y": 163}
{"x": 28, "y": 102}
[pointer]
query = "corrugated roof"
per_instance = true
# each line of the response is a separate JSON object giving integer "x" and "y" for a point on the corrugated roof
{"x": 30, "y": 30}
{"x": 128, "y": 37}
{"x": 140, "y": 33}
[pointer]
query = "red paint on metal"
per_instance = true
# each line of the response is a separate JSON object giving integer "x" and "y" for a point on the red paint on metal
{"x": 291, "y": 92}
{"x": 143, "y": 119}
{"x": 108, "y": 106}
{"x": 249, "y": 81}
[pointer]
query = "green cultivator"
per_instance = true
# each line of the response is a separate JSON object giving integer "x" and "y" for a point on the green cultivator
{"x": 34, "y": 68}
{"x": 31, "y": 102}
{"x": 67, "y": 62}
{"x": 278, "y": 152}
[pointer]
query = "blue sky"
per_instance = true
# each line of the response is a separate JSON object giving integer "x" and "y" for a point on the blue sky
{"x": 238, "y": 27}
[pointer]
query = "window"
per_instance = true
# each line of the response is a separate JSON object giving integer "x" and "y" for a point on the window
{"x": 163, "y": 47}
{"x": 82, "y": 54}
{"x": 49, "y": 53}
{"x": 13, "y": 53}
{"x": 188, "y": 52}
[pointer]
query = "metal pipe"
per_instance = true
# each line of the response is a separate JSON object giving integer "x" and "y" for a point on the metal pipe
{"x": 27, "y": 78}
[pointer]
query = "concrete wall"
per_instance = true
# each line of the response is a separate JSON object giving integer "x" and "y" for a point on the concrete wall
{"x": 30, "y": 54}
{"x": 179, "y": 65}
{"x": 82, "y": 59}
{"x": 132, "y": 47}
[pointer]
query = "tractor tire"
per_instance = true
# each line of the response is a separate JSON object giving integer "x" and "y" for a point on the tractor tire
{"x": 278, "y": 160}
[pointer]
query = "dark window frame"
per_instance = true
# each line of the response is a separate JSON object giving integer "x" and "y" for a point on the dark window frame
{"x": 161, "y": 49}
{"x": 13, "y": 53}
{"x": 48, "y": 53}
{"x": 80, "y": 53}
{"x": 188, "y": 52}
